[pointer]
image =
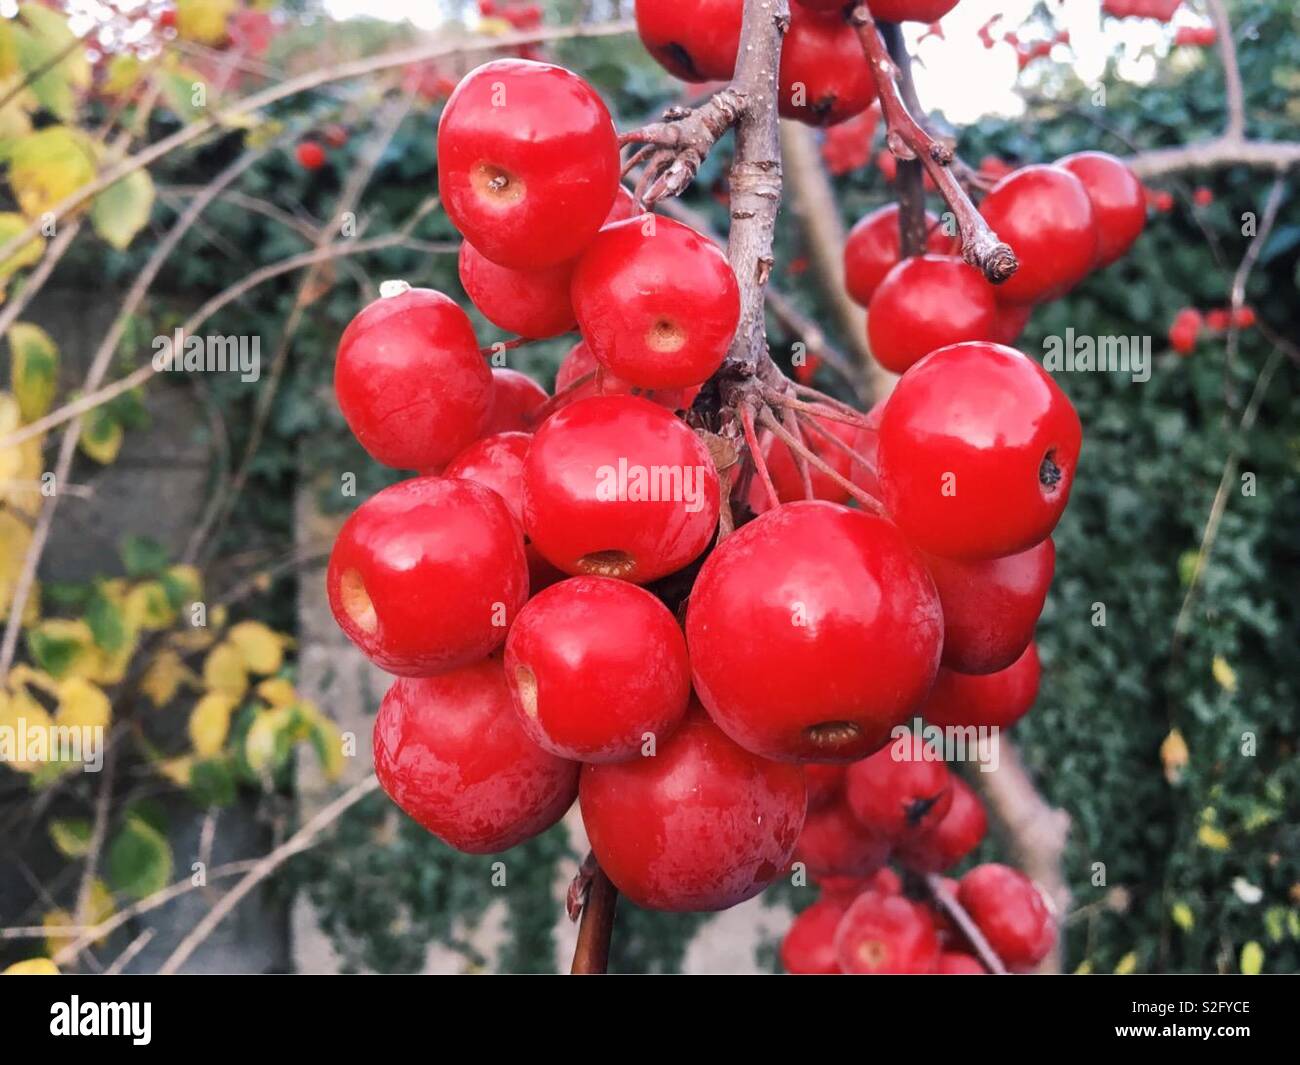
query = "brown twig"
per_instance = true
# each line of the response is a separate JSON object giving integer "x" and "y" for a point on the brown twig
{"x": 592, "y": 901}
{"x": 907, "y": 139}
{"x": 674, "y": 148}
{"x": 958, "y": 915}
{"x": 798, "y": 448}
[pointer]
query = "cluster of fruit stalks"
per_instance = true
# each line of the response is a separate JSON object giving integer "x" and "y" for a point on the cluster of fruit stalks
{"x": 688, "y": 594}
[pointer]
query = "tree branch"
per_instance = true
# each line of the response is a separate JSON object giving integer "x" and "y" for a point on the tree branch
{"x": 592, "y": 901}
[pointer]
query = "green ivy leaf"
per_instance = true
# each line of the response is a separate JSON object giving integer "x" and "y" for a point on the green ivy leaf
{"x": 139, "y": 859}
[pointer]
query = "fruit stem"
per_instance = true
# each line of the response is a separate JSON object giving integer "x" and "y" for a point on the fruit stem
{"x": 869, "y": 502}
{"x": 954, "y": 909}
{"x": 907, "y": 139}
{"x": 592, "y": 901}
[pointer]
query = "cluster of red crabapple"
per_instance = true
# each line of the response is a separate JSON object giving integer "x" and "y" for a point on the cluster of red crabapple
{"x": 522, "y": 587}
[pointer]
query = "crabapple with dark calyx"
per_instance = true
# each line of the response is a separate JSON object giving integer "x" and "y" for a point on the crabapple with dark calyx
{"x": 703, "y": 825}
{"x": 1045, "y": 214}
{"x": 597, "y": 668}
{"x": 898, "y": 793}
{"x": 885, "y": 934}
{"x": 617, "y": 486}
{"x": 985, "y": 700}
{"x": 528, "y": 162}
{"x": 977, "y": 452}
{"x": 1010, "y": 911}
{"x": 427, "y": 574}
{"x": 657, "y": 303}
{"x": 871, "y": 249}
{"x": 927, "y": 302}
{"x": 991, "y": 606}
{"x": 778, "y": 621}
{"x": 532, "y": 303}
{"x": 450, "y": 753}
{"x": 409, "y": 379}
{"x": 824, "y": 77}
{"x": 957, "y": 833}
{"x": 699, "y": 47}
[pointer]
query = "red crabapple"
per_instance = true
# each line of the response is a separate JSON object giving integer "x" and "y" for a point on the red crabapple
{"x": 1118, "y": 201}
{"x": 580, "y": 362}
{"x": 957, "y": 833}
{"x": 310, "y": 155}
{"x": 496, "y": 462}
{"x": 957, "y": 963}
{"x": 871, "y": 249}
{"x": 978, "y": 448}
{"x": 899, "y": 799}
{"x": 410, "y": 381}
{"x": 701, "y": 47}
{"x": 597, "y": 667}
{"x": 450, "y": 753}
{"x": 657, "y": 303}
{"x": 885, "y": 934}
{"x": 1045, "y": 214}
{"x": 991, "y": 699}
{"x": 426, "y": 575}
{"x": 927, "y": 302}
{"x": 990, "y": 606}
{"x": 1009, "y": 909}
{"x": 910, "y": 10}
{"x": 532, "y": 303}
{"x": 528, "y": 162}
{"x": 824, "y": 76}
{"x": 825, "y": 784}
{"x": 813, "y": 631}
{"x": 515, "y": 396}
{"x": 703, "y": 825}
{"x": 808, "y": 947}
{"x": 834, "y": 843}
{"x": 617, "y": 486}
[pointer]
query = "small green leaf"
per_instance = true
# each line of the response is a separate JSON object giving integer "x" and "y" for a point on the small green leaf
{"x": 71, "y": 835}
{"x": 53, "y": 654}
{"x": 212, "y": 782}
{"x": 33, "y": 369}
{"x": 106, "y": 622}
{"x": 139, "y": 860}
{"x": 123, "y": 209}
{"x": 142, "y": 556}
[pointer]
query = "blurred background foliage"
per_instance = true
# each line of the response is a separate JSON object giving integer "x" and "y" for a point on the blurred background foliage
{"x": 1183, "y": 850}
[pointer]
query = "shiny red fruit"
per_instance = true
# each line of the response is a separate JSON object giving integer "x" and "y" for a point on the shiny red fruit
{"x": 1186, "y": 330}
{"x": 778, "y": 621}
{"x": 825, "y": 784}
{"x": 1045, "y": 214}
{"x": 427, "y": 575}
{"x": 847, "y": 888}
{"x": 617, "y": 486}
{"x": 1118, "y": 201}
{"x": 410, "y": 381}
{"x": 898, "y": 793}
{"x": 657, "y": 302}
{"x": 528, "y": 162}
{"x": 1000, "y": 698}
{"x": 310, "y": 155}
{"x": 824, "y": 77}
{"x": 885, "y": 934}
{"x": 955, "y": 963}
{"x": 515, "y": 396}
{"x": 700, "y": 47}
{"x": 598, "y": 670}
{"x": 580, "y": 362}
{"x": 449, "y": 752}
{"x": 978, "y": 448}
{"x": 1009, "y": 909}
{"x": 1218, "y": 319}
{"x": 496, "y": 462}
{"x": 927, "y": 302}
{"x": 701, "y": 826}
{"x": 784, "y": 468}
{"x": 958, "y": 833}
{"x": 910, "y": 10}
{"x": 531, "y": 303}
{"x": 871, "y": 249}
{"x": 990, "y": 606}
{"x": 1010, "y": 322}
{"x": 624, "y": 207}
{"x": 1244, "y": 317}
{"x": 834, "y": 843}
{"x": 808, "y": 948}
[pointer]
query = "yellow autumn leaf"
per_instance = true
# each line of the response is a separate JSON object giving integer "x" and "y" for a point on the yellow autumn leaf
{"x": 1183, "y": 916}
{"x": 33, "y": 367}
{"x": 325, "y": 738}
{"x": 1252, "y": 959}
{"x": 210, "y": 723}
{"x": 32, "y": 967}
{"x": 1224, "y": 673}
{"x": 1173, "y": 755}
{"x": 1085, "y": 968}
{"x": 47, "y": 166}
{"x": 124, "y": 72}
{"x": 101, "y": 436}
{"x": 224, "y": 671}
{"x": 277, "y": 691}
{"x": 1126, "y": 964}
{"x": 147, "y": 607}
{"x": 20, "y": 714}
{"x": 82, "y": 705}
{"x": 203, "y": 21}
{"x": 11, "y": 224}
{"x": 109, "y": 667}
{"x": 164, "y": 676}
{"x": 185, "y": 581}
{"x": 63, "y": 647}
{"x": 261, "y": 646}
{"x": 177, "y": 770}
{"x": 191, "y": 640}
{"x": 99, "y": 908}
{"x": 8, "y": 50}
{"x": 261, "y": 742}
{"x": 1214, "y": 838}
{"x": 15, "y": 538}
